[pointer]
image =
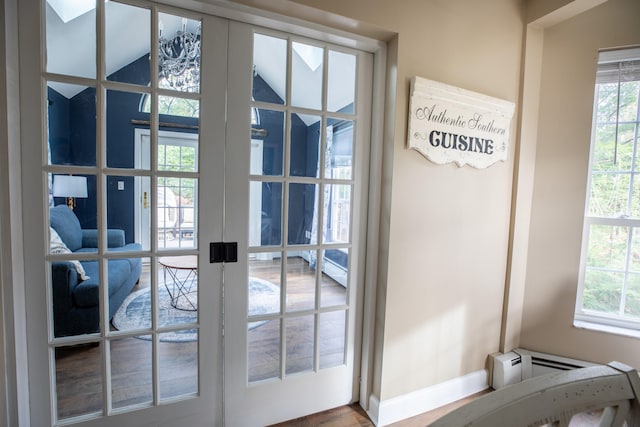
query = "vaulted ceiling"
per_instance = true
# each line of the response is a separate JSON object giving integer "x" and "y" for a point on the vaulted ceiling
{"x": 71, "y": 48}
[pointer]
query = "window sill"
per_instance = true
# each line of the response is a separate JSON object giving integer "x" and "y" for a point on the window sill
{"x": 599, "y": 327}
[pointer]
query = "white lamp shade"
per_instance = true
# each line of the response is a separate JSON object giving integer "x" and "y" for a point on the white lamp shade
{"x": 69, "y": 186}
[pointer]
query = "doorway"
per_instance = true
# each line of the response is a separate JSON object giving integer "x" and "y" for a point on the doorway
{"x": 176, "y": 198}
{"x": 290, "y": 204}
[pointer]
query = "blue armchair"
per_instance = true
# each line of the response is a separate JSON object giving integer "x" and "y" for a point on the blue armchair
{"x": 76, "y": 302}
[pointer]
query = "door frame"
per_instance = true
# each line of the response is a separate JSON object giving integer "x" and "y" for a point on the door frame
{"x": 23, "y": 97}
{"x": 142, "y": 155}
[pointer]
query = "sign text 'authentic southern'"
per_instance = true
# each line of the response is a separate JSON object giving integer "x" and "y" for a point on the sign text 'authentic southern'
{"x": 448, "y": 124}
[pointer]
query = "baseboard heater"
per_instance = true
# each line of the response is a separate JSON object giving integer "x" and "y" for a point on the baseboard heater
{"x": 520, "y": 364}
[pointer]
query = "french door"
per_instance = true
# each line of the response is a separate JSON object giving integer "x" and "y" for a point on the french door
{"x": 134, "y": 340}
{"x": 298, "y": 180}
{"x": 273, "y": 164}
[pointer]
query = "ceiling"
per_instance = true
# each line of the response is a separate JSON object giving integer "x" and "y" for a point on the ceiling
{"x": 71, "y": 50}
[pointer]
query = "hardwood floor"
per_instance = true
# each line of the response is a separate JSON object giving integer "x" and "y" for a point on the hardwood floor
{"x": 79, "y": 377}
{"x": 355, "y": 416}
{"x": 264, "y": 341}
{"x": 345, "y": 416}
{"x": 79, "y": 369}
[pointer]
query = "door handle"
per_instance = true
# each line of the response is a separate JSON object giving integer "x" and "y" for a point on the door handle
{"x": 223, "y": 252}
{"x": 145, "y": 200}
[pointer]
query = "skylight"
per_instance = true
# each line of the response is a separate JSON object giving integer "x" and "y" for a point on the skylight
{"x": 311, "y": 55}
{"x": 68, "y": 10}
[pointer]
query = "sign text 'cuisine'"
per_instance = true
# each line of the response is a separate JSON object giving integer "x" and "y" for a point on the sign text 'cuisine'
{"x": 448, "y": 124}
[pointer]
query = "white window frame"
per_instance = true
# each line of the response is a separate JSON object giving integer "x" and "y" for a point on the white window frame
{"x": 143, "y": 161}
{"x": 590, "y": 319}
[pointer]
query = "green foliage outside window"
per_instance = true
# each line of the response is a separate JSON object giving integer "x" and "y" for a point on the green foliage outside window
{"x": 176, "y": 158}
{"x": 180, "y": 158}
{"x": 173, "y": 106}
{"x": 178, "y": 106}
{"x": 612, "y": 275}
{"x": 602, "y": 291}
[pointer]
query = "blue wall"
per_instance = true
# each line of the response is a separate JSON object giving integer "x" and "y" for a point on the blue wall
{"x": 303, "y": 158}
{"x": 59, "y": 122}
{"x": 72, "y": 130}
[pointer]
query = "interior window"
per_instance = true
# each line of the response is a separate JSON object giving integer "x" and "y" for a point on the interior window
{"x": 182, "y": 107}
{"x": 171, "y": 106}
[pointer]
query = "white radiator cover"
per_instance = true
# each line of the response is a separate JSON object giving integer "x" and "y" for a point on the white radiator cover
{"x": 520, "y": 364}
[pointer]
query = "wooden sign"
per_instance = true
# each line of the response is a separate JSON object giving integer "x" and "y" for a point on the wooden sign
{"x": 448, "y": 124}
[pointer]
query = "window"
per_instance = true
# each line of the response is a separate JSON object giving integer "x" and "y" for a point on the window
{"x": 609, "y": 290}
{"x": 176, "y": 196}
{"x": 182, "y": 107}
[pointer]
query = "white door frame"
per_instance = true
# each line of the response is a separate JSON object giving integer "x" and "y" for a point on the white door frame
{"x": 142, "y": 157}
{"x": 20, "y": 109}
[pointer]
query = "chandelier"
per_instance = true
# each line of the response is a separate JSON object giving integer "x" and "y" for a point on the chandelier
{"x": 179, "y": 60}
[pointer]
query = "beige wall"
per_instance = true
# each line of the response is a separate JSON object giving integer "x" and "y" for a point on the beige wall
{"x": 449, "y": 226}
{"x": 566, "y": 99}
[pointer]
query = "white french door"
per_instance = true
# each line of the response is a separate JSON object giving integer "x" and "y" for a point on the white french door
{"x": 274, "y": 159}
{"x": 136, "y": 339}
{"x": 292, "y": 299}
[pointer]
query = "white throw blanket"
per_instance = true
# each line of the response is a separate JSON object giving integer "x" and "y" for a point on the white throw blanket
{"x": 58, "y": 247}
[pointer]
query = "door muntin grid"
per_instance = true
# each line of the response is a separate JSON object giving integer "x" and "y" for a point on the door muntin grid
{"x": 302, "y": 234}
{"x": 86, "y": 108}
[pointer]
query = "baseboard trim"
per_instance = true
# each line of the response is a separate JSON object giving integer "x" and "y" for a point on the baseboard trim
{"x": 374, "y": 409}
{"x": 420, "y": 401}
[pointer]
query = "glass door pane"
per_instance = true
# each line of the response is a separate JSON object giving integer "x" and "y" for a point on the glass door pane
{"x": 312, "y": 143}
{"x": 71, "y": 38}
{"x": 122, "y": 173}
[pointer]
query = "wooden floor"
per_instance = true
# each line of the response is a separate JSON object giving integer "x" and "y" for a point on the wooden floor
{"x": 79, "y": 369}
{"x": 355, "y": 416}
{"x": 264, "y": 341}
{"x": 79, "y": 375}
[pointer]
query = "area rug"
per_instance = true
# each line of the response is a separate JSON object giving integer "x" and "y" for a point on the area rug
{"x": 135, "y": 311}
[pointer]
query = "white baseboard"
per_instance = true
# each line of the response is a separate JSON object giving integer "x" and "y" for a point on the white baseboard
{"x": 374, "y": 409}
{"x": 409, "y": 405}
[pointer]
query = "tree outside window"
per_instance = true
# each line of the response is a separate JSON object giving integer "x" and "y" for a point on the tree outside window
{"x": 609, "y": 291}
